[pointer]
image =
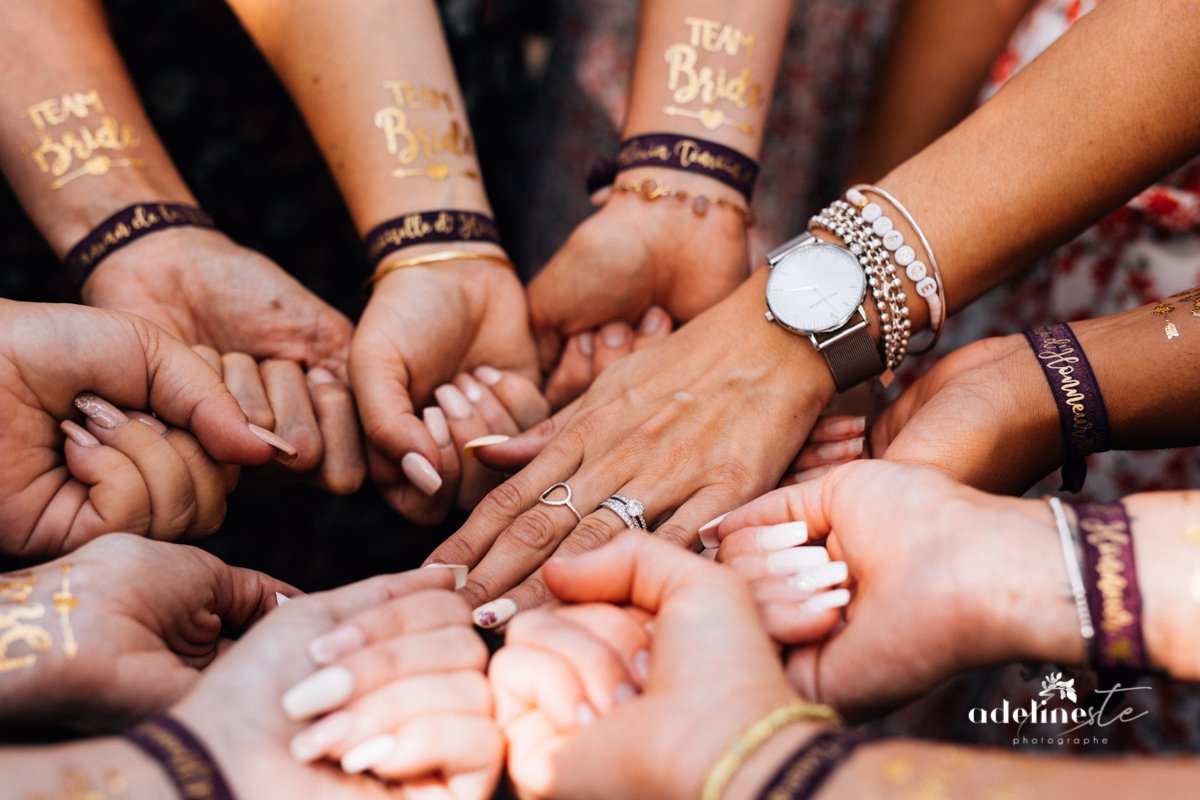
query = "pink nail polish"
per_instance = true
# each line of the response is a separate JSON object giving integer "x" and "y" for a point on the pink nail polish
{"x": 319, "y": 376}
{"x": 153, "y": 423}
{"x": 615, "y": 334}
{"x": 78, "y": 435}
{"x": 845, "y": 426}
{"x": 435, "y": 421}
{"x": 841, "y": 451}
{"x": 471, "y": 388}
{"x": 652, "y": 321}
{"x": 100, "y": 411}
{"x": 587, "y": 343}
{"x": 489, "y": 375}
{"x": 422, "y": 474}
{"x": 453, "y": 402}
{"x": 286, "y": 451}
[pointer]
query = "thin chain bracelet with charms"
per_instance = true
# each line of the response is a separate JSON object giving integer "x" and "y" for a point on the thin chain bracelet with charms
{"x": 651, "y": 190}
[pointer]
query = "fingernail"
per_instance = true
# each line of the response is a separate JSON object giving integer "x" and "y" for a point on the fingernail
{"x": 615, "y": 334}
{"x": 78, "y": 435}
{"x": 587, "y": 343}
{"x": 453, "y": 402}
{"x": 421, "y": 473}
{"x": 820, "y": 577}
{"x": 623, "y": 694}
{"x": 844, "y": 426}
{"x": 494, "y": 614}
{"x": 320, "y": 376}
{"x": 652, "y": 321}
{"x": 484, "y": 441}
{"x": 641, "y": 665}
{"x": 281, "y": 598}
{"x": 435, "y": 421}
{"x": 152, "y": 423}
{"x": 778, "y": 537}
{"x": 789, "y": 562}
{"x": 809, "y": 474}
{"x": 329, "y": 647}
{"x": 471, "y": 388}
{"x": 458, "y": 570}
{"x": 287, "y": 452}
{"x": 826, "y": 601}
{"x": 584, "y": 715}
{"x": 489, "y": 375}
{"x": 708, "y": 536}
{"x": 319, "y": 738}
{"x": 100, "y": 411}
{"x": 320, "y": 692}
{"x": 368, "y": 754}
{"x": 840, "y": 451}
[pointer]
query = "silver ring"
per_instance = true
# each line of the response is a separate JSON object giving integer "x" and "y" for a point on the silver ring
{"x": 566, "y": 501}
{"x": 630, "y": 511}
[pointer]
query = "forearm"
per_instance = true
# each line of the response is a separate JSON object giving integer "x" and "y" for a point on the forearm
{"x": 940, "y": 54}
{"x": 75, "y": 142}
{"x": 100, "y": 768}
{"x": 377, "y": 87}
{"x": 1068, "y": 140}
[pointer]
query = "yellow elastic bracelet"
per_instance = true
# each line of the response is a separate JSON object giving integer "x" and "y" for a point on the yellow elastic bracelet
{"x": 755, "y": 737}
{"x": 439, "y": 257}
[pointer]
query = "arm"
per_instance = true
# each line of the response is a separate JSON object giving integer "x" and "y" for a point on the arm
{"x": 376, "y": 84}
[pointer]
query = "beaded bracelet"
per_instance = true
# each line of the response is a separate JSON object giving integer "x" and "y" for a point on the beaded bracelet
{"x": 651, "y": 190}
{"x": 1069, "y": 538}
{"x": 182, "y": 756}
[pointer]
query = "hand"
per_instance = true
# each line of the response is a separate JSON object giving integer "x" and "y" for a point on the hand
{"x": 57, "y": 497}
{"x": 691, "y": 427}
{"x": 562, "y": 680}
{"x": 423, "y": 327}
{"x": 941, "y": 578}
{"x": 982, "y": 415}
{"x": 236, "y": 708}
{"x": 587, "y": 354}
{"x": 403, "y": 694}
{"x": 835, "y": 439}
{"x": 206, "y": 290}
{"x": 633, "y": 254}
{"x": 139, "y": 621}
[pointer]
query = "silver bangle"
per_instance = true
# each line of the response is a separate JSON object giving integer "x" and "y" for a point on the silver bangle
{"x": 1070, "y": 548}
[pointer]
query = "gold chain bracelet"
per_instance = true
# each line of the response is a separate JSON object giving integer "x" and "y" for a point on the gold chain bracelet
{"x": 651, "y": 190}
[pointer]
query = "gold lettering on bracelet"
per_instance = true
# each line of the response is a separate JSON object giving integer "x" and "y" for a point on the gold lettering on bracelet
{"x": 76, "y": 136}
{"x": 1061, "y": 361}
{"x": 408, "y": 141}
{"x": 144, "y": 216}
{"x": 1109, "y": 539}
{"x": 467, "y": 227}
{"x": 77, "y": 785}
{"x": 691, "y": 81}
{"x": 688, "y": 151}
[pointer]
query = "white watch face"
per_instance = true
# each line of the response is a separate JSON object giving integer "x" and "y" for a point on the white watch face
{"x": 816, "y": 288}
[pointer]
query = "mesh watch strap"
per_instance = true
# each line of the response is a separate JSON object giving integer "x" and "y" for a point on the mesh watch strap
{"x": 852, "y": 356}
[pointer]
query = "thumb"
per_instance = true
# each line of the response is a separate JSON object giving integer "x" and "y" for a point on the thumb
{"x": 516, "y": 452}
{"x": 382, "y": 391}
{"x": 188, "y": 393}
{"x": 807, "y": 501}
{"x": 242, "y": 596}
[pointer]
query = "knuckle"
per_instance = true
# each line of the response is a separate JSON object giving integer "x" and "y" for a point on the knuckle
{"x": 677, "y": 534}
{"x": 531, "y": 595}
{"x": 454, "y": 551}
{"x": 506, "y": 501}
{"x": 533, "y": 531}
{"x": 733, "y": 474}
{"x": 591, "y": 534}
{"x": 468, "y": 647}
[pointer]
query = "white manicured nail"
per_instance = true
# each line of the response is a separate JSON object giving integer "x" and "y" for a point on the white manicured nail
{"x": 318, "y": 693}
{"x": 494, "y": 614}
{"x": 484, "y": 441}
{"x": 641, "y": 664}
{"x": 624, "y": 693}
{"x": 281, "y": 598}
{"x": 794, "y": 559}
{"x": 707, "y": 537}
{"x": 317, "y": 739}
{"x": 368, "y": 754}
{"x": 825, "y": 601}
{"x": 778, "y": 537}
{"x": 585, "y": 715}
{"x": 329, "y": 647}
{"x": 841, "y": 451}
{"x": 458, "y": 570}
{"x": 821, "y": 577}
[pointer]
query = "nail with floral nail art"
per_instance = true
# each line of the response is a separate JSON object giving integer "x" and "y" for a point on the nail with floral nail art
{"x": 494, "y": 614}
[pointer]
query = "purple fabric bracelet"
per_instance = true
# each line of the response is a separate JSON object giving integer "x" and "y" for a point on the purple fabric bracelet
{"x": 1110, "y": 577}
{"x": 805, "y": 772}
{"x": 1082, "y": 416}
{"x": 426, "y": 227}
{"x": 685, "y": 153}
{"x": 127, "y": 226}
{"x": 182, "y": 756}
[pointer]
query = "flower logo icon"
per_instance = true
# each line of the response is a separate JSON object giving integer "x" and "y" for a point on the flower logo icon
{"x": 1053, "y": 683}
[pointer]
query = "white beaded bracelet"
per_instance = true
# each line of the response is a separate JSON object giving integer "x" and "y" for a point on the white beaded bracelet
{"x": 927, "y": 279}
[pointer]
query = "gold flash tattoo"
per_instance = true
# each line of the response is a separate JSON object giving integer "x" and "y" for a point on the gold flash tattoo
{"x": 89, "y": 149}
{"x": 64, "y": 602}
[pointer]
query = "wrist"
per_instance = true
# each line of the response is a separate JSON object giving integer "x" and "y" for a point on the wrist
{"x": 174, "y": 252}
{"x": 749, "y": 781}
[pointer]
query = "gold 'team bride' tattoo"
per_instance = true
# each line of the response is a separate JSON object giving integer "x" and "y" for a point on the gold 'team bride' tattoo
{"x": 77, "y": 785}
{"x": 17, "y": 626}
{"x": 1169, "y": 328}
{"x": 689, "y": 81}
{"x": 64, "y": 602}
{"x": 94, "y": 147}
{"x": 409, "y": 141}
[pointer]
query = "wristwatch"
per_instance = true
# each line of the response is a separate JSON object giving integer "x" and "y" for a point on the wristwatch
{"x": 817, "y": 289}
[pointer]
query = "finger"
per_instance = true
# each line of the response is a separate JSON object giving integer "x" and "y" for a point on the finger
{"x": 615, "y": 340}
{"x": 115, "y": 493}
{"x": 295, "y": 419}
{"x": 210, "y": 483}
{"x": 412, "y": 503}
{"x": 606, "y": 679}
{"x": 623, "y": 629}
{"x": 243, "y": 379}
{"x": 574, "y": 371}
{"x": 814, "y": 455}
{"x": 344, "y": 467}
{"x": 464, "y": 751}
{"x": 172, "y": 501}
{"x": 466, "y": 424}
{"x": 487, "y": 405}
{"x": 381, "y": 389}
{"x": 243, "y": 596}
{"x": 524, "y": 678}
{"x": 211, "y": 357}
{"x": 837, "y": 428}
{"x": 519, "y": 395}
{"x": 806, "y": 475}
{"x": 808, "y": 621}
{"x": 519, "y": 451}
{"x": 655, "y": 326}
{"x": 799, "y": 587}
{"x": 784, "y": 563}
{"x": 763, "y": 539}
{"x": 803, "y": 501}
